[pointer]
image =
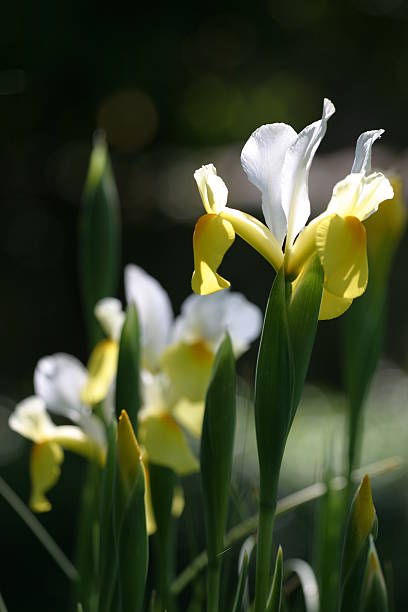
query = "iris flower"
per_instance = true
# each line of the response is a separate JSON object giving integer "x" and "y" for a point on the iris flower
{"x": 277, "y": 161}
{"x": 177, "y": 357}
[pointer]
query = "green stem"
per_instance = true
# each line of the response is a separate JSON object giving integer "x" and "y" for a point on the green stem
{"x": 284, "y": 505}
{"x": 213, "y": 586}
{"x": 264, "y": 555}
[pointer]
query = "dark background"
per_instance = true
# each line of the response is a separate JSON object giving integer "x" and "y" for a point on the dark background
{"x": 166, "y": 81}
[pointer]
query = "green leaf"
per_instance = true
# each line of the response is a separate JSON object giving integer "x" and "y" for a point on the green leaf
{"x": 162, "y": 484}
{"x": 374, "y": 597}
{"x": 363, "y": 333}
{"x": 108, "y": 554}
{"x": 216, "y": 458}
{"x": 130, "y": 519}
{"x": 303, "y": 316}
{"x": 362, "y": 522}
{"x": 307, "y": 581}
{"x": 239, "y": 595}
{"x": 274, "y": 388}
{"x": 275, "y": 596}
{"x": 99, "y": 238}
{"x": 128, "y": 378}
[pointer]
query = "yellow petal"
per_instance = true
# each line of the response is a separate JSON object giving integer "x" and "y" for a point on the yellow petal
{"x": 45, "y": 461}
{"x": 212, "y": 238}
{"x": 333, "y": 306}
{"x": 341, "y": 245}
{"x": 188, "y": 367}
{"x": 151, "y": 526}
{"x": 166, "y": 444}
{"x": 101, "y": 371}
{"x": 129, "y": 456}
{"x": 190, "y": 415}
{"x": 178, "y": 501}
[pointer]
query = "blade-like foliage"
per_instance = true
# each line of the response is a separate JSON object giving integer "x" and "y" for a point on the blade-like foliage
{"x": 99, "y": 237}
{"x": 275, "y": 596}
{"x": 127, "y": 378}
{"x": 216, "y": 458}
{"x": 362, "y": 522}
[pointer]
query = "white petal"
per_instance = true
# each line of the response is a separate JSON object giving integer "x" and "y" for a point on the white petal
{"x": 213, "y": 191}
{"x": 295, "y": 173}
{"x": 362, "y": 157}
{"x": 207, "y": 318}
{"x": 359, "y": 195}
{"x": 111, "y": 316}
{"x": 154, "y": 310}
{"x": 93, "y": 427}
{"x": 262, "y": 159}
{"x": 58, "y": 380}
{"x": 30, "y": 419}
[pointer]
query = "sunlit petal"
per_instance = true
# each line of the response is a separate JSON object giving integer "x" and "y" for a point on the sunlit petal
{"x": 213, "y": 191}
{"x": 213, "y": 236}
{"x": 154, "y": 311}
{"x": 30, "y": 419}
{"x": 362, "y": 157}
{"x": 58, "y": 380}
{"x": 45, "y": 461}
{"x": 207, "y": 318}
{"x": 359, "y": 195}
{"x": 188, "y": 367}
{"x": 295, "y": 173}
{"x": 341, "y": 245}
{"x": 166, "y": 444}
{"x": 333, "y": 306}
{"x": 262, "y": 159}
{"x": 110, "y": 315}
{"x": 190, "y": 415}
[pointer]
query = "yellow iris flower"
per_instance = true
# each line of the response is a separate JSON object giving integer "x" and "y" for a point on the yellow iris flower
{"x": 277, "y": 161}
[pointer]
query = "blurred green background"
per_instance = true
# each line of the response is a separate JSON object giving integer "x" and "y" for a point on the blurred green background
{"x": 175, "y": 86}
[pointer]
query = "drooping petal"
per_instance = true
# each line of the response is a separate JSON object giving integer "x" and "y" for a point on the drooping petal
{"x": 166, "y": 444}
{"x": 188, "y": 367}
{"x": 190, "y": 415}
{"x": 207, "y": 318}
{"x": 45, "y": 461}
{"x": 295, "y": 173}
{"x": 154, "y": 311}
{"x": 213, "y": 191}
{"x": 342, "y": 248}
{"x": 212, "y": 238}
{"x": 101, "y": 372}
{"x": 110, "y": 315}
{"x": 333, "y": 306}
{"x": 262, "y": 159}
{"x": 30, "y": 419}
{"x": 359, "y": 195}
{"x": 362, "y": 157}
{"x": 58, "y": 380}
{"x": 73, "y": 438}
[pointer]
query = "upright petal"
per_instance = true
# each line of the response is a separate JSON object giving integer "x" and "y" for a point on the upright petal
{"x": 58, "y": 380}
{"x": 45, "y": 461}
{"x": 213, "y": 191}
{"x": 30, "y": 419}
{"x": 295, "y": 173}
{"x": 110, "y": 315}
{"x": 212, "y": 238}
{"x": 154, "y": 310}
{"x": 362, "y": 157}
{"x": 207, "y": 318}
{"x": 262, "y": 159}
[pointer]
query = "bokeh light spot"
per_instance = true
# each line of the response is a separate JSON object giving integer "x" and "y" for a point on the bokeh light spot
{"x": 129, "y": 118}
